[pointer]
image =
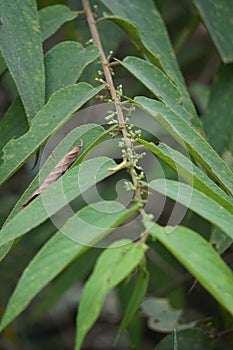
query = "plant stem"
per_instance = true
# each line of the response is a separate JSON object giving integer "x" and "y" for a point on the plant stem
{"x": 117, "y": 102}
{"x": 107, "y": 73}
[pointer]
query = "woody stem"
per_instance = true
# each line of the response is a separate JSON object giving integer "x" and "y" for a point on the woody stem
{"x": 113, "y": 93}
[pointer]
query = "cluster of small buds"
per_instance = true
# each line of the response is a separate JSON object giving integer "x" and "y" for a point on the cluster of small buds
{"x": 140, "y": 174}
{"x": 129, "y": 153}
{"x": 148, "y": 218}
{"x": 121, "y": 143}
{"x": 102, "y": 98}
{"x": 119, "y": 91}
{"x": 110, "y": 118}
{"x": 133, "y": 157}
{"x": 95, "y": 10}
{"x": 133, "y": 134}
{"x": 129, "y": 186}
{"x": 100, "y": 80}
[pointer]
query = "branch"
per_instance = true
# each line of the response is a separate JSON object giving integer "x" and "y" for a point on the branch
{"x": 108, "y": 76}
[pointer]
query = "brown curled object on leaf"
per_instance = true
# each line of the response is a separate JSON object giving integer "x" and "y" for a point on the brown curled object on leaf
{"x": 56, "y": 173}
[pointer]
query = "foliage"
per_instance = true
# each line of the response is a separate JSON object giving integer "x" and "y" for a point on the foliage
{"x": 124, "y": 59}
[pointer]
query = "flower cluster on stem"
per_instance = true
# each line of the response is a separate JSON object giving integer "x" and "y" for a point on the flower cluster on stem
{"x": 129, "y": 135}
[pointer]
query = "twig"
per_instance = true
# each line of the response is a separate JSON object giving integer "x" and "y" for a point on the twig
{"x": 225, "y": 332}
{"x": 108, "y": 76}
{"x": 101, "y": 19}
{"x": 114, "y": 63}
{"x": 95, "y": 35}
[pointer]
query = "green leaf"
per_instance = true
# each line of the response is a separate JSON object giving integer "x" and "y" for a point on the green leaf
{"x": 185, "y": 134}
{"x": 165, "y": 317}
{"x": 113, "y": 266}
{"x": 190, "y": 173}
{"x": 200, "y": 258}
{"x": 80, "y": 268}
{"x": 46, "y": 264}
{"x": 53, "y": 17}
{"x": 59, "y": 251}
{"x": 189, "y": 339}
{"x": 200, "y": 94}
{"x": 135, "y": 328}
{"x": 59, "y": 60}
{"x": 56, "y": 197}
{"x": 21, "y": 47}
{"x": 218, "y": 119}
{"x": 196, "y": 201}
{"x": 14, "y": 122}
{"x": 110, "y": 42}
{"x": 218, "y": 19}
{"x": 3, "y": 66}
{"x": 135, "y": 301}
{"x": 220, "y": 240}
{"x": 4, "y": 249}
{"x": 143, "y": 23}
{"x": 90, "y": 134}
{"x": 157, "y": 82}
{"x": 50, "y": 118}
{"x": 95, "y": 220}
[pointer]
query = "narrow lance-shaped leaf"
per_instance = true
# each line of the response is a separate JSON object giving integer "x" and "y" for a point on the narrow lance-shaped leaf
{"x": 4, "y": 250}
{"x": 220, "y": 240}
{"x": 57, "y": 253}
{"x": 217, "y": 16}
{"x": 185, "y": 134}
{"x": 135, "y": 300}
{"x": 200, "y": 258}
{"x": 58, "y": 74}
{"x": 151, "y": 37}
{"x": 218, "y": 118}
{"x": 157, "y": 82}
{"x": 188, "y": 339}
{"x": 114, "y": 264}
{"x": 80, "y": 268}
{"x": 50, "y": 118}
{"x": 58, "y": 195}
{"x": 14, "y": 122}
{"x": 196, "y": 201}
{"x": 190, "y": 172}
{"x": 21, "y": 47}
{"x": 90, "y": 134}
{"x": 3, "y": 66}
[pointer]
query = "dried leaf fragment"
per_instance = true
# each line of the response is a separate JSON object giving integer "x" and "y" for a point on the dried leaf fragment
{"x": 56, "y": 173}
